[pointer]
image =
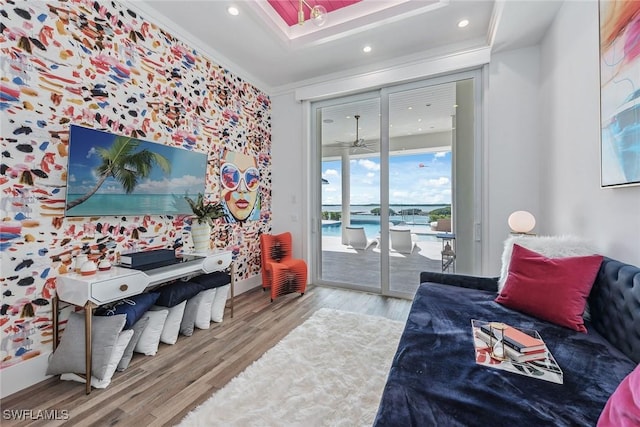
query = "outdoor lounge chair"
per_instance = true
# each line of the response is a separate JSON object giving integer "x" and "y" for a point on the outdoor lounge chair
{"x": 357, "y": 238}
{"x": 402, "y": 241}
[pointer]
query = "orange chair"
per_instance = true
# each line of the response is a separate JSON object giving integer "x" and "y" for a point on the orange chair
{"x": 280, "y": 271}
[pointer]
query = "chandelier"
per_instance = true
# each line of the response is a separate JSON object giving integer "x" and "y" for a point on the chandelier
{"x": 317, "y": 14}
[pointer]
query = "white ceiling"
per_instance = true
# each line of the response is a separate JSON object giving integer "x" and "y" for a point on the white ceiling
{"x": 258, "y": 47}
{"x": 417, "y": 111}
{"x": 254, "y": 47}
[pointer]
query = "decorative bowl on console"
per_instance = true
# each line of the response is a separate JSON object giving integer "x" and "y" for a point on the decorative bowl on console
{"x": 104, "y": 265}
{"x": 88, "y": 268}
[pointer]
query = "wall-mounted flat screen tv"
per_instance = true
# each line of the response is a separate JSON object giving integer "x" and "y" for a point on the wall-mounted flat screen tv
{"x": 120, "y": 175}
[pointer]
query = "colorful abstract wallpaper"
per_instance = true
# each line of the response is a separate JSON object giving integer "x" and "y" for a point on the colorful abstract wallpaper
{"x": 100, "y": 65}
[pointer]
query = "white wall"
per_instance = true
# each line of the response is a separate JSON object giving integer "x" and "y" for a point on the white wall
{"x": 464, "y": 177}
{"x": 513, "y": 168}
{"x": 289, "y": 170}
{"x": 572, "y": 198}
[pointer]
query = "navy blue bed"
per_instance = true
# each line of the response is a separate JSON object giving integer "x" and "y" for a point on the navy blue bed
{"x": 434, "y": 380}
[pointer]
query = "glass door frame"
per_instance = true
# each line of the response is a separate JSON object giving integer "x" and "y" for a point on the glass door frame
{"x": 316, "y": 177}
{"x": 477, "y": 75}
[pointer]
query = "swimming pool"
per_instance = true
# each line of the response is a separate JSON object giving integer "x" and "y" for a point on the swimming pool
{"x": 371, "y": 228}
{"x": 371, "y": 225}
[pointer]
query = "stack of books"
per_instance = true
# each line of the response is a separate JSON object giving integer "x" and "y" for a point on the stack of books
{"x": 525, "y": 351}
{"x": 518, "y": 345}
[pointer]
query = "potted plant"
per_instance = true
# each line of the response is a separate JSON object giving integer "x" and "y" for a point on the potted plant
{"x": 204, "y": 213}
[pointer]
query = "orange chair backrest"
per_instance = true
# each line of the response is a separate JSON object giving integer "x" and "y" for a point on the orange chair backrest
{"x": 275, "y": 248}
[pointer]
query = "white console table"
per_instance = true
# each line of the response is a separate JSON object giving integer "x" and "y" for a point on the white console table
{"x": 117, "y": 283}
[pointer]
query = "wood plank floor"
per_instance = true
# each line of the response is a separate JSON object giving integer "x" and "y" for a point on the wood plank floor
{"x": 160, "y": 390}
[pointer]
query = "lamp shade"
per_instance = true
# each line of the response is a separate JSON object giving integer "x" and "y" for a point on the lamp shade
{"x": 521, "y": 222}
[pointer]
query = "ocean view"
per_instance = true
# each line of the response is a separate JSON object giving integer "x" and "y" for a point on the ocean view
{"x": 366, "y": 209}
{"x": 361, "y": 216}
{"x": 129, "y": 204}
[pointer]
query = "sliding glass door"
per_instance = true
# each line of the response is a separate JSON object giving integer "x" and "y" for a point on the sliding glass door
{"x": 420, "y": 185}
{"x": 397, "y": 172}
{"x": 350, "y": 192}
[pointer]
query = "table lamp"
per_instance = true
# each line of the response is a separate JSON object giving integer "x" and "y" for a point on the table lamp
{"x": 521, "y": 222}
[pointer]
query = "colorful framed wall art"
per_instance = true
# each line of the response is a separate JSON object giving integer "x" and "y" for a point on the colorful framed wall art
{"x": 619, "y": 92}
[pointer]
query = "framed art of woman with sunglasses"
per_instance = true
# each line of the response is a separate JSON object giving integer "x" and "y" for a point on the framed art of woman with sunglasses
{"x": 240, "y": 181}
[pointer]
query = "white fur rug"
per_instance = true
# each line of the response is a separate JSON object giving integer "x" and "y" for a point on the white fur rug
{"x": 329, "y": 371}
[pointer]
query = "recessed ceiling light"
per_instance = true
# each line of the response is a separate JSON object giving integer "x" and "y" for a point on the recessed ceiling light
{"x": 409, "y": 108}
{"x": 463, "y": 23}
{"x": 233, "y": 10}
{"x": 366, "y": 49}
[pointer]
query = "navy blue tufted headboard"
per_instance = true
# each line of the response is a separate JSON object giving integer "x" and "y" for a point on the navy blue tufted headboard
{"x": 615, "y": 306}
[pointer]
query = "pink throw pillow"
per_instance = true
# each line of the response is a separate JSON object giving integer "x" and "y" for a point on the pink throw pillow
{"x": 623, "y": 407}
{"x": 553, "y": 289}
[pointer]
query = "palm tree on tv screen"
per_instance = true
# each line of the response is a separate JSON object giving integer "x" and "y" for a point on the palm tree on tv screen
{"x": 124, "y": 165}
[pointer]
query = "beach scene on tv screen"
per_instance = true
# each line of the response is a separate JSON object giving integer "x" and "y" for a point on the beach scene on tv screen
{"x": 111, "y": 174}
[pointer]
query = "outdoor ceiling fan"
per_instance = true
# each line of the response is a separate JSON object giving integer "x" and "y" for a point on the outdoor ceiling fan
{"x": 358, "y": 143}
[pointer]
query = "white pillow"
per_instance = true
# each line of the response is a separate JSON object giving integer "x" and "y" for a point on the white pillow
{"x": 150, "y": 337}
{"x": 137, "y": 329}
{"x": 116, "y": 355}
{"x": 69, "y": 356}
{"x": 171, "y": 327}
{"x": 549, "y": 246}
{"x": 189, "y": 317}
{"x": 203, "y": 315}
{"x": 219, "y": 302}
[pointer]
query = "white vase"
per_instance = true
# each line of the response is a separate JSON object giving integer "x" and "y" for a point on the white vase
{"x": 201, "y": 235}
